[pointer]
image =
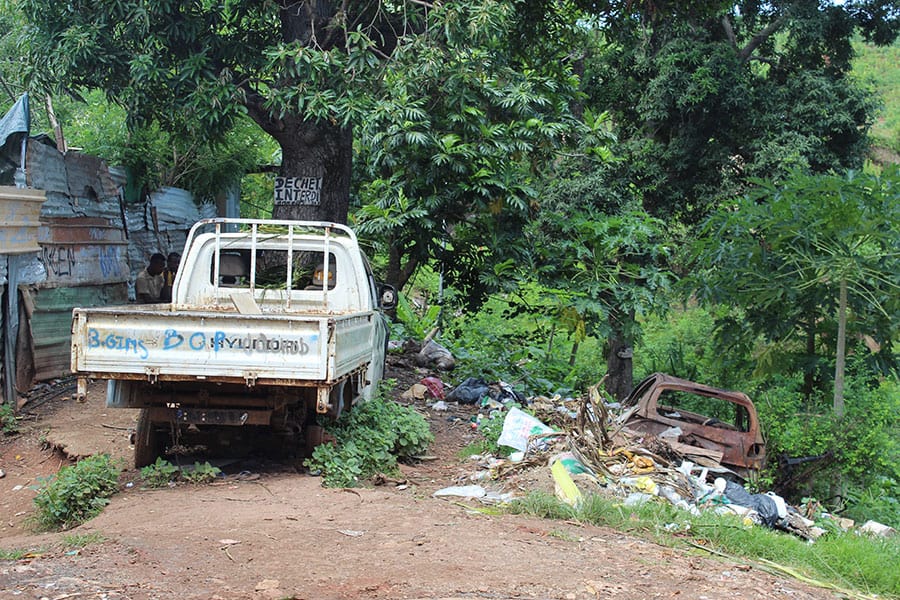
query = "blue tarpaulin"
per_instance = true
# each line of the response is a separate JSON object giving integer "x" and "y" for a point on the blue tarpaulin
{"x": 17, "y": 120}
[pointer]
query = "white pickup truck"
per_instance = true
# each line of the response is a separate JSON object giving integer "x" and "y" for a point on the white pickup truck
{"x": 262, "y": 335}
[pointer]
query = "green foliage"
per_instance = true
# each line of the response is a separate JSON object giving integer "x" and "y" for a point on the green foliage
{"x": 840, "y": 560}
{"x": 516, "y": 338}
{"x": 462, "y": 130}
{"x": 616, "y": 262}
{"x": 200, "y": 473}
{"x": 8, "y": 422}
{"x": 679, "y": 343}
{"x": 490, "y": 429}
{"x": 877, "y": 67}
{"x": 415, "y": 324}
{"x": 16, "y": 553}
{"x": 866, "y": 443}
{"x": 702, "y": 98}
{"x": 781, "y": 253}
{"x": 369, "y": 440}
{"x": 77, "y": 493}
{"x": 159, "y": 474}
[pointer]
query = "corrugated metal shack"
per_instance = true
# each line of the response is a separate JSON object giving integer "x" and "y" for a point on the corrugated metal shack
{"x": 85, "y": 251}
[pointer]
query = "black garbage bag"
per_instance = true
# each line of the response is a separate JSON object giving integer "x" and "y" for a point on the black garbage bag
{"x": 470, "y": 391}
{"x": 764, "y": 506}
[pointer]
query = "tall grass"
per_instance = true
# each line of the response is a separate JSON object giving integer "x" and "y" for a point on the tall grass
{"x": 838, "y": 560}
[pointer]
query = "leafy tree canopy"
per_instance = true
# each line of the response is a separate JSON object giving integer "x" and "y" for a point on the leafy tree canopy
{"x": 706, "y": 95}
{"x": 782, "y": 252}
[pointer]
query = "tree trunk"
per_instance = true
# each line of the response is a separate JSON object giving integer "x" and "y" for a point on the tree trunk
{"x": 320, "y": 154}
{"x": 809, "y": 374}
{"x": 841, "y": 352}
{"x": 619, "y": 364}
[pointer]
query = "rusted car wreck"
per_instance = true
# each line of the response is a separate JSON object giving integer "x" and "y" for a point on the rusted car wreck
{"x": 711, "y": 427}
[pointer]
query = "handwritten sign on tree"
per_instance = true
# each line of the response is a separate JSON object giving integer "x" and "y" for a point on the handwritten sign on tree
{"x": 304, "y": 191}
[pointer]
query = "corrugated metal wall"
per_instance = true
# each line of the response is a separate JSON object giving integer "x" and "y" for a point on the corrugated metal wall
{"x": 83, "y": 247}
{"x": 43, "y": 350}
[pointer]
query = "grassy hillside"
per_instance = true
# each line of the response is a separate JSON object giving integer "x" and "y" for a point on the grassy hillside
{"x": 880, "y": 68}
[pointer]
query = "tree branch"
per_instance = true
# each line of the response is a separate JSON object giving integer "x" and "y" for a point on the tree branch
{"x": 729, "y": 31}
{"x": 760, "y": 37}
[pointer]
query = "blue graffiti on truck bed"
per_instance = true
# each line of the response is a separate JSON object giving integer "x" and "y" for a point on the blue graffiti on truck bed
{"x": 199, "y": 341}
{"x": 117, "y": 342}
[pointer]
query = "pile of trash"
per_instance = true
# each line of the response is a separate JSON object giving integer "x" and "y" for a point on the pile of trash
{"x": 588, "y": 448}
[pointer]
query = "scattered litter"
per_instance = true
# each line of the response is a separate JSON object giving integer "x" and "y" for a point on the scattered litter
{"x": 17, "y": 488}
{"x": 433, "y": 353}
{"x": 566, "y": 490}
{"x": 268, "y": 584}
{"x": 518, "y": 429}
{"x": 493, "y": 497}
{"x": 876, "y": 528}
{"x": 464, "y": 491}
{"x": 434, "y": 386}
{"x": 416, "y": 390}
{"x": 229, "y": 542}
{"x": 470, "y": 391}
{"x": 637, "y": 498}
{"x": 351, "y": 532}
{"x": 2, "y": 473}
{"x": 440, "y": 405}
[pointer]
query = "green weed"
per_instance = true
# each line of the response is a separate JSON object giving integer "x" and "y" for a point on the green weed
{"x": 16, "y": 553}
{"x": 201, "y": 473}
{"x": 8, "y": 422}
{"x": 73, "y": 540}
{"x": 369, "y": 440}
{"x": 159, "y": 474}
{"x": 77, "y": 493}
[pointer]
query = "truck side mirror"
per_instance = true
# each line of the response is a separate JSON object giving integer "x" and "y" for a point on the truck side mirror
{"x": 387, "y": 296}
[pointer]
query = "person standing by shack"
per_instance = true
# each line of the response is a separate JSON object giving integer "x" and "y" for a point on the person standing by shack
{"x": 172, "y": 263}
{"x": 149, "y": 282}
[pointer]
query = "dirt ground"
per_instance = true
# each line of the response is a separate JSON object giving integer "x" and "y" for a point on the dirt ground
{"x": 272, "y": 531}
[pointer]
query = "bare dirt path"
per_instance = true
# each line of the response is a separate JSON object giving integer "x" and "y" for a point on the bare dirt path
{"x": 278, "y": 533}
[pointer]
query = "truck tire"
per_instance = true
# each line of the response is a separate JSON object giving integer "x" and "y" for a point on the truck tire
{"x": 148, "y": 443}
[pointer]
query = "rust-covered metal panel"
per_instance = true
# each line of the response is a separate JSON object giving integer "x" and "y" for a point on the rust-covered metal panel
{"x": 20, "y": 211}
{"x": 47, "y": 335}
{"x": 662, "y": 403}
{"x": 83, "y": 251}
{"x": 76, "y": 184}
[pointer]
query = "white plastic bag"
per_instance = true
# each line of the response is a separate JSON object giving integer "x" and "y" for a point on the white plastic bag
{"x": 518, "y": 426}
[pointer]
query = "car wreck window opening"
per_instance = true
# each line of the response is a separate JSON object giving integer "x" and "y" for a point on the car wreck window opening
{"x": 703, "y": 409}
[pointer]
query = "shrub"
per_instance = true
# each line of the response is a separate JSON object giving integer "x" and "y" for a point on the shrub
{"x": 8, "y": 423}
{"x": 369, "y": 440}
{"x": 159, "y": 474}
{"x": 205, "y": 473}
{"x": 77, "y": 493}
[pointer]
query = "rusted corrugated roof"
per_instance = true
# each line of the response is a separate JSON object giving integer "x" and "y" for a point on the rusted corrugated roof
{"x": 76, "y": 184}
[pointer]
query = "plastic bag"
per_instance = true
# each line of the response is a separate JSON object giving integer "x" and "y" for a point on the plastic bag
{"x": 518, "y": 426}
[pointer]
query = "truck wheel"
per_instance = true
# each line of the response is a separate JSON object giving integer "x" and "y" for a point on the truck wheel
{"x": 148, "y": 443}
